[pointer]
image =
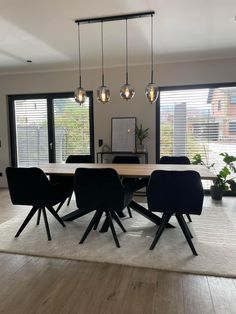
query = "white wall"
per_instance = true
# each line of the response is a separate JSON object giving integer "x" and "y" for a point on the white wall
{"x": 217, "y": 71}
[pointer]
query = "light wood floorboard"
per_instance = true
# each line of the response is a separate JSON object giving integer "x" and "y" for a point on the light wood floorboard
{"x": 42, "y": 285}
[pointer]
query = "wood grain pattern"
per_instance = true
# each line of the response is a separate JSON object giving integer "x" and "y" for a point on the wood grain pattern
{"x": 53, "y": 286}
{"x": 127, "y": 170}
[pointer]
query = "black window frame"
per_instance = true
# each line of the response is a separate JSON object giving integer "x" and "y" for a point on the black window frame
{"x": 179, "y": 87}
{"x": 51, "y": 133}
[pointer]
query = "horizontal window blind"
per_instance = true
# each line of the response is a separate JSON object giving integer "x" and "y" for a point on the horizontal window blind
{"x": 198, "y": 121}
{"x": 49, "y": 127}
{"x": 31, "y": 131}
{"x": 72, "y": 128}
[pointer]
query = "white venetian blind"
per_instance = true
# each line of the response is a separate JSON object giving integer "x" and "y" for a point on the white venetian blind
{"x": 31, "y": 131}
{"x": 198, "y": 121}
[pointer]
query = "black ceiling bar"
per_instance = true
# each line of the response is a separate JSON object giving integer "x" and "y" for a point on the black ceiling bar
{"x": 115, "y": 17}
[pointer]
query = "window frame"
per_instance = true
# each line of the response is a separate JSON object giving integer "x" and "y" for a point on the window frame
{"x": 179, "y": 87}
{"x": 50, "y": 115}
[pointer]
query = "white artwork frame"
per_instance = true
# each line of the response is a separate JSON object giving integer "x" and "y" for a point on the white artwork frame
{"x": 123, "y": 134}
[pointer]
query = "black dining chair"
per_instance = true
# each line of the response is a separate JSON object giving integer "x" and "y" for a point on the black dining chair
{"x": 30, "y": 186}
{"x": 176, "y": 160}
{"x": 69, "y": 181}
{"x": 175, "y": 193}
{"x": 101, "y": 190}
{"x": 126, "y": 160}
{"x": 134, "y": 184}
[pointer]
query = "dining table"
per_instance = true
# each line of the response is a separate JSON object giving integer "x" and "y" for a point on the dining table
{"x": 124, "y": 171}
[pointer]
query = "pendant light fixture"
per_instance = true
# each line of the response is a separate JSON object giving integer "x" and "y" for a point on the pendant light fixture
{"x": 151, "y": 91}
{"x": 103, "y": 93}
{"x": 80, "y": 93}
{"x": 126, "y": 91}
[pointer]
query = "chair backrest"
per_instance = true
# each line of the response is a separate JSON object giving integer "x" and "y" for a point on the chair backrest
{"x": 74, "y": 159}
{"x": 175, "y": 160}
{"x": 175, "y": 192}
{"x": 98, "y": 189}
{"x": 125, "y": 160}
{"x": 28, "y": 186}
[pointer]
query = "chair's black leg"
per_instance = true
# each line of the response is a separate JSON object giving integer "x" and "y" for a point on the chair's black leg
{"x": 129, "y": 211}
{"x": 186, "y": 227}
{"x": 165, "y": 220}
{"x": 55, "y": 214}
{"x": 39, "y": 214}
{"x": 189, "y": 218}
{"x": 186, "y": 233}
{"x": 108, "y": 214}
{"x": 90, "y": 226}
{"x": 46, "y": 224}
{"x": 97, "y": 220}
{"x": 69, "y": 199}
{"x": 26, "y": 221}
{"x": 60, "y": 205}
{"x": 114, "y": 215}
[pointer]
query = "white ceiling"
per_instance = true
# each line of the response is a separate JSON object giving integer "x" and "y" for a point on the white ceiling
{"x": 44, "y": 32}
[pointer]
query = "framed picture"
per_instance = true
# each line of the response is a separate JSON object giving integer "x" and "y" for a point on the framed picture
{"x": 123, "y": 134}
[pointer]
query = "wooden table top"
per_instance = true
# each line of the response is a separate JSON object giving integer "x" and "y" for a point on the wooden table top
{"x": 126, "y": 170}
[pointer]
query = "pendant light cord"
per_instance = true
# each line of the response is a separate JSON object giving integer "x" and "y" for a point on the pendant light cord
{"x": 126, "y": 35}
{"x": 151, "y": 49}
{"x": 79, "y": 59}
{"x": 102, "y": 54}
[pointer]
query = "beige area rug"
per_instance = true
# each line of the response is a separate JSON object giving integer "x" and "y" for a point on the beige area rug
{"x": 214, "y": 238}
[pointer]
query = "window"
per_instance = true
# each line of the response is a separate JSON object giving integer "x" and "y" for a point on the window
{"x": 233, "y": 100}
{"x": 49, "y": 128}
{"x": 190, "y": 123}
{"x": 232, "y": 127}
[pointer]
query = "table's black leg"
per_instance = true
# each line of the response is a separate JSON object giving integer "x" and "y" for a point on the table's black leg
{"x": 76, "y": 214}
{"x": 105, "y": 226}
{"x": 144, "y": 212}
{"x": 148, "y": 214}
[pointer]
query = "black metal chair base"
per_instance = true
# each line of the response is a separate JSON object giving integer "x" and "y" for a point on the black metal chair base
{"x": 95, "y": 221}
{"x": 129, "y": 211}
{"x": 40, "y": 209}
{"x": 184, "y": 227}
{"x": 189, "y": 218}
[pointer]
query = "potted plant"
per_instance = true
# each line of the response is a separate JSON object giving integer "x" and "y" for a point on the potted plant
{"x": 141, "y": 135}
{"x": 225, "y": 180}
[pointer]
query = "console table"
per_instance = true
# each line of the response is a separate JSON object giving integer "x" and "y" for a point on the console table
{"x": 143, "y": 155}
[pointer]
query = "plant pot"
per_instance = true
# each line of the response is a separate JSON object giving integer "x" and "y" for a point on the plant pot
{"x": 141, "y": 148}
{"x": 216, "y": 192}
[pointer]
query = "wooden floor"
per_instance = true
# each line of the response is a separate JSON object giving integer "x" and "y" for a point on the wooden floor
{"x": 41, "y": 285}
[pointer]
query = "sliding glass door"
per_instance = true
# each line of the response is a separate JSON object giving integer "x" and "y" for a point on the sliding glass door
{"x": 49, "y": 128}
{"x": 72, "y": 128}
{"x": 31, "y": 131}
